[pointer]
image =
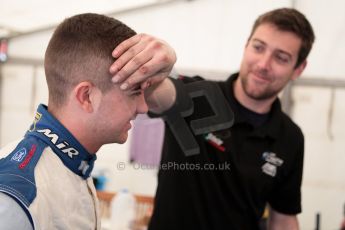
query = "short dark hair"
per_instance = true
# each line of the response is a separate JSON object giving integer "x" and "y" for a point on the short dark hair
{"x": 80, "y": 50}
{"x": 289, "y": 19}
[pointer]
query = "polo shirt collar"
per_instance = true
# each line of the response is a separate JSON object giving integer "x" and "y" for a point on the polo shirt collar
{"x": 270, "y": 128}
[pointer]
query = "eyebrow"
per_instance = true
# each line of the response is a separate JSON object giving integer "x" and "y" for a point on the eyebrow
{"x": 279, "y": 50}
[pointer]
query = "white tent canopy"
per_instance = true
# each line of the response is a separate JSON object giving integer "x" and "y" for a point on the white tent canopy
{"x": 26, "y": 16}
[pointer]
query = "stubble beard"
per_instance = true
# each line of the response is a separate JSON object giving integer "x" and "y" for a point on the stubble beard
{"x": 256, "y": 91}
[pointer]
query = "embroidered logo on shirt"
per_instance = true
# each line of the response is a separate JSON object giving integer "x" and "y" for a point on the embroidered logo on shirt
{"x": 28, "y": 157}
{"x": 63, "y": 146}
{"x": 19, "y": 155}
{"x": 83, "y": 167}
{"x": 215, "y": 141}
{"x": 272, "y": 162}
{"x": 36, "y": 119}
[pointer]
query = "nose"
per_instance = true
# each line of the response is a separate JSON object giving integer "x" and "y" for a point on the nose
{"x": 142, "y": 105}
{"x": 265, "y": 61}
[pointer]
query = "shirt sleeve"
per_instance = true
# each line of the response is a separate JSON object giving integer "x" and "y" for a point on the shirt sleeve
{"x": 286, "y": 197}
{"x": 12, "y": 215}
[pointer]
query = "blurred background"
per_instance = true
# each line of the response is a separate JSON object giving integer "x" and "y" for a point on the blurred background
{"x": 209, "y": 37}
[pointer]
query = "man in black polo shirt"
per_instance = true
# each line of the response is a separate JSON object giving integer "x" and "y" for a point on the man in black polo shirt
{"x": 259, "y": 160}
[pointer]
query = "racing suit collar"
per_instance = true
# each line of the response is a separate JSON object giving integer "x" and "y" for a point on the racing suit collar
{"x": 73, "y": 155}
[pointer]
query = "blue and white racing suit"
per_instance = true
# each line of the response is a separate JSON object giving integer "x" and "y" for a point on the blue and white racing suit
{"x": 47, "y": 174}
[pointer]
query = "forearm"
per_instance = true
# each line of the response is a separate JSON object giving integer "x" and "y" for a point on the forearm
{"x": 161, "y": 97}
{"x": 279, "y": 221}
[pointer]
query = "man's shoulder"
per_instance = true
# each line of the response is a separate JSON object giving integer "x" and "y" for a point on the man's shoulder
{"x": 20, "y": 154}
{"x": 290, "y": 126}
{"x": 289, "y": 135}
{"x": 17, "y": 168}
{"x": 8, "y": 148}
{"x": 189, "y": 79}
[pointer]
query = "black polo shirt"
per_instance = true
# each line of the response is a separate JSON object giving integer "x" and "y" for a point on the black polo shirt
{"x": 258, "y": 160}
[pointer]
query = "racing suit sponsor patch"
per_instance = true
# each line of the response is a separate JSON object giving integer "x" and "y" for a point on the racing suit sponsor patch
{"x": 19, "y": 155}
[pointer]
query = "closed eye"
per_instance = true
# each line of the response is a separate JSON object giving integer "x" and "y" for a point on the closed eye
{"x": 258, "y": 45}
{"x": 258, "y": 48}
{"x": 283, "y": 58}
{"x": 136, "y": 91}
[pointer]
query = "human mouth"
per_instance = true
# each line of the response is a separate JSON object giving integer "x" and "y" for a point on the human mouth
{"x": 263, "y": 78}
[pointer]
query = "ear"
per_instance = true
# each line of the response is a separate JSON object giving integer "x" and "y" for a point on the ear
{"x": 87, "y": 96}
{"x": 298, "y": 71}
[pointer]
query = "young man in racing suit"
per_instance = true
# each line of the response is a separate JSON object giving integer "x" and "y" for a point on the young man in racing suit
{"x": 45, "y": 177}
